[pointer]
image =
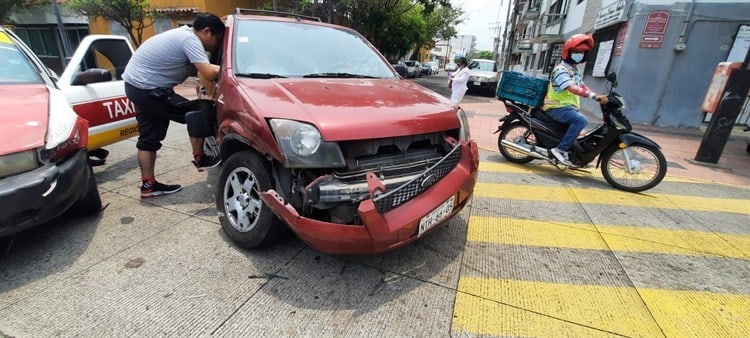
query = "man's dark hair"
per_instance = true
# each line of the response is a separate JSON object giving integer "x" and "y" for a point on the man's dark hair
{"x": 214, "y": 24}
{"x": 462, "y": 60}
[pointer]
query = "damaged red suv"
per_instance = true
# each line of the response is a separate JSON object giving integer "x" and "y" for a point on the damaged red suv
{"x": 319, "y": 133}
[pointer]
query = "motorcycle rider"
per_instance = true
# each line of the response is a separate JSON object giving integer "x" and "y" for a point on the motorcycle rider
{"x": 562, "y": 102}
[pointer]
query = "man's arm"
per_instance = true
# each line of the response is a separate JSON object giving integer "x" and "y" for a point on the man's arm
{"x": 208, "y": 71}
{"x": 565, "y": 82}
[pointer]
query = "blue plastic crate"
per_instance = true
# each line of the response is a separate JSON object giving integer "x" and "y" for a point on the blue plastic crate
{"x": 515, "y": 86}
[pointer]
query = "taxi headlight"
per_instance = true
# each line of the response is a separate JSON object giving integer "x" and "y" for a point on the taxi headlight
{"x": 17, "y": 163}
{"x": 303, "y": 147}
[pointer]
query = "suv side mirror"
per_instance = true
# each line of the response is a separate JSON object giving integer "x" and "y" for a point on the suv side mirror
{"x": 92, "y": 75}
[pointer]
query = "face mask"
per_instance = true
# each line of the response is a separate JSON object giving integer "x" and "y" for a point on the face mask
{"x": 577, "y": 57}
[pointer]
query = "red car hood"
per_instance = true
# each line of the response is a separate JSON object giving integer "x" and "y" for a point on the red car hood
{"x": 346, "y": 109}
{"x": 23, "y": 117}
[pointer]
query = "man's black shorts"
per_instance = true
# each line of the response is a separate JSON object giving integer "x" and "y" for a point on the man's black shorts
{"x": 156, "y": 107}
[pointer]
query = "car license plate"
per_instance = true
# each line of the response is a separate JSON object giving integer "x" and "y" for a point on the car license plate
{"x": 477, "y": 83}
{"x": 436, "y": 215}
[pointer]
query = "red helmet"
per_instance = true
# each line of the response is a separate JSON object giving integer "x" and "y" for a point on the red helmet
{"x": 579, "y": 43}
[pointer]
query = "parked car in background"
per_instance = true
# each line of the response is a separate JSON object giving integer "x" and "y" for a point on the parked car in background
{"x": 426, "y": 69}
{"x": 483, "y": 74}
{"x": 44, "y": 163}
{"x": 336, "y": 147}
{"x": 451, "y": 67}
{"x": 412, "y": 68}
{"x": 434, "y": 67}
{"x": 399, "y": 66}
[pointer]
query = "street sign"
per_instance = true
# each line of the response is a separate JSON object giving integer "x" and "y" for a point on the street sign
{"x": 654, "y": 29}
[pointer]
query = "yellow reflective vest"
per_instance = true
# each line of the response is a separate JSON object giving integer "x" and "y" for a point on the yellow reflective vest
{"x": 563, "y": 98}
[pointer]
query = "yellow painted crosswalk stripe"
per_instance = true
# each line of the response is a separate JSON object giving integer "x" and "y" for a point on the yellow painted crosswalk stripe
{"x": 538, "y": 309}
{"x": 513, "y": 231}
{"x": 549, "y": 169}
{"x": 610, "y": 196}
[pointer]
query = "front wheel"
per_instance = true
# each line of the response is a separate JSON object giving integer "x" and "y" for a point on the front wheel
{"x": 90, "y": 202}
{"x": 244, "y": 217}
{"x": 635, "y": 168}
{"x": 518, "y": 133}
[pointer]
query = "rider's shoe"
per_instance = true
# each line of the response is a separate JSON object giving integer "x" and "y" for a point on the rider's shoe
{"x": 561, "y": 156}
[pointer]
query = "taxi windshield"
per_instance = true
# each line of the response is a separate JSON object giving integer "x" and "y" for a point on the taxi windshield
{"x": 270, "y": 49}
{"x": 15, "y": 67}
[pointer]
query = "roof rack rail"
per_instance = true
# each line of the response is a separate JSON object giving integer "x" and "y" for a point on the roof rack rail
{"x": 275, "y": 13}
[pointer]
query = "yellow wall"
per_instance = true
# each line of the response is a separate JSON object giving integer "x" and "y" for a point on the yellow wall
{"x": 218, "y": 7}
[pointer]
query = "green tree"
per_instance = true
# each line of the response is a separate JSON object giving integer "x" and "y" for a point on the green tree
{"x": 440, "y": 24}
{"x": 8, "y": 6}
{"x": 134, "y": 15}
{"x": 483, "y": 54}
{"x": 394, "y": 26}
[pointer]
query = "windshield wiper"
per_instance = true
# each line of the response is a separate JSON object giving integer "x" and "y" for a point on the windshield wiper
{"x": 260, "y": 75}
{"x": 344, "y": 75}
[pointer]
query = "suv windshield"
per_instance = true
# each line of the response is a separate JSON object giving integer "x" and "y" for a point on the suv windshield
{"x": 268, "y": 49}
{"x": 15, "y": 67}
{"x": 488, "y": 66}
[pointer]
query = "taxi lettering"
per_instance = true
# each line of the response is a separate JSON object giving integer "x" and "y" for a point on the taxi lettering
{"x": 119, "y": 107}
{"x": 128, "y": 131}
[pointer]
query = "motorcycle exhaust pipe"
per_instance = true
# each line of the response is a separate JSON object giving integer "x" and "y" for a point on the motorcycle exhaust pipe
{"x": 526, "y": 149}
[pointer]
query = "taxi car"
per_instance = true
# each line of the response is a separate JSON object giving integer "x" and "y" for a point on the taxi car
{"x": 332, "y": 143}
{"x": 48, "y": 124}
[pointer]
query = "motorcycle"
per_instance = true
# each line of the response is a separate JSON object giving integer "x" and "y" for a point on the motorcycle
{"x": 629, "y": 161}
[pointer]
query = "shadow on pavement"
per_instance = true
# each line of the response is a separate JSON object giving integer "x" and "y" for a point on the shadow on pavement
{"x": 313, "y": 280}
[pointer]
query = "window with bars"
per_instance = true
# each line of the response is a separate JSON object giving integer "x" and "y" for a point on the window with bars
{"x": 41, "y": 40}
{"x": 554, "y": 15}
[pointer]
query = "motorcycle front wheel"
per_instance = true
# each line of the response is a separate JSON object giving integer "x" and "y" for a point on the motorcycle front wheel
{"x": 635, "y": 168}
{"x": 516, "y": 132}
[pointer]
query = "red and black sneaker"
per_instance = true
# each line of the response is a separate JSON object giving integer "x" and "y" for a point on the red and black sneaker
{"x": 207, "y": 162}
{"x": 151, "y": 189}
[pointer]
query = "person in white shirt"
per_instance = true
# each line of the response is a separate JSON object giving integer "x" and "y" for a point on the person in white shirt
{"x": 458, "y": 80}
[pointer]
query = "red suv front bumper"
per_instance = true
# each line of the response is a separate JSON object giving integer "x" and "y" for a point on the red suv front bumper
{"x": 389, "y": 230}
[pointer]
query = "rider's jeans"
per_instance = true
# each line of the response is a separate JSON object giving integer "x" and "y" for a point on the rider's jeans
{"x": 575, "y": 120}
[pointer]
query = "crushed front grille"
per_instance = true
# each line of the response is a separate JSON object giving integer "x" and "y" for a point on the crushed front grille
{"x": 416, "y": 186}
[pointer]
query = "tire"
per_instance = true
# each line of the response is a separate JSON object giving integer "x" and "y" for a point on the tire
{"x": 91, "y": 202}
{"x": 515, "y": 132}
{"x": 244, "y": 217}
{"x": 648, "y": 161}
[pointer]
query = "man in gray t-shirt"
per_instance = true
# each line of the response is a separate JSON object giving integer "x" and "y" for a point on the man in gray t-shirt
{"x": 162, "y": 62}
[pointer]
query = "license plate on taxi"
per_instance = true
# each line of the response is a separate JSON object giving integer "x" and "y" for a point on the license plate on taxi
{"x": 477, "y": 83}
{"x": 436, "y": 215}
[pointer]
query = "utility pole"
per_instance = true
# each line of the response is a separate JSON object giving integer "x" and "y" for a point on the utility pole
{"x": 67, "y": 51}
{"x": 508, "y": 40}
{"x": 496, "y": 43}
{"x": 497, "y": 28}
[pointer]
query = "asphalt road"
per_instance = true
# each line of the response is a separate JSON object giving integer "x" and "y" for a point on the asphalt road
{"x": 536, "y": 253}
{"x": 439, "y": 83}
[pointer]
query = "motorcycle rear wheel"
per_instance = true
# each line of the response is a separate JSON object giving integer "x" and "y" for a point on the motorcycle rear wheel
{"x": 647, "y": 167}
{"x": 516, "y": 132}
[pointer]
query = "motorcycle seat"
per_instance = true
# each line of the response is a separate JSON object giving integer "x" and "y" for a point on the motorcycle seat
{"x": 542, "y": 116}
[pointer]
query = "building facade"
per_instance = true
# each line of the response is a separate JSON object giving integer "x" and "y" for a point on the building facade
{"x": 448, "y": 50}
{"x": 665, "y": 52}
{"x": 39, "y": 29}
{"x": 175, "y": 13}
